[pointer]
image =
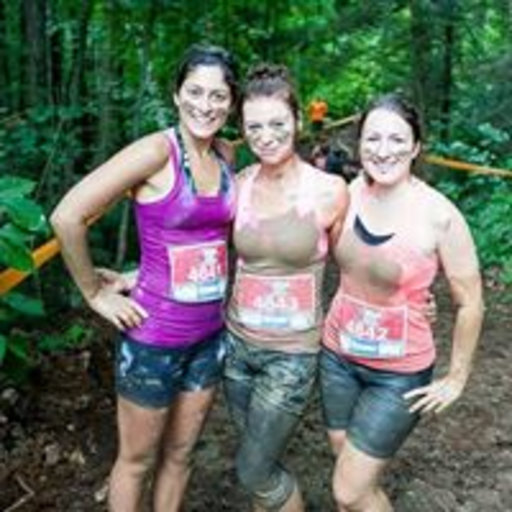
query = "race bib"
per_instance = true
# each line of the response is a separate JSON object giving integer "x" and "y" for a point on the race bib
{"x": 198, "y": 272}
{"x": 276, "y": 303}
{"x": 372, "y": 331}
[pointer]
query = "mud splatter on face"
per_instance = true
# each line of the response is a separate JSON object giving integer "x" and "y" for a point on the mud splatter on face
{"x": 269, "y": 128}
{"x": 387, "y": 147}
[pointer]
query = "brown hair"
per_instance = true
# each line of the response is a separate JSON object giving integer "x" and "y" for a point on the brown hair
{"x": 270, "y": 80}
{"x": 396, "y": 103}
{"x": 209, "y": 55}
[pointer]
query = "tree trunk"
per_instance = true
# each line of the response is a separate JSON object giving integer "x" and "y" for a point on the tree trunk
{"x": 447, "y": 73}
{"x": 73, "y": 95}
{"x": 77, "y": 70}
{"x": 107, "y": 79}
{"x": 420, "y": 53}
{"x": 4, "y": 74}
{"x": 34, "y": 18}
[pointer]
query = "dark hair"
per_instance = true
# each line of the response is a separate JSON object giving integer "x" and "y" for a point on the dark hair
{"x": 208, "y": 55}
{"x": 270, "y": 80}
{"x": 396, "y": 103}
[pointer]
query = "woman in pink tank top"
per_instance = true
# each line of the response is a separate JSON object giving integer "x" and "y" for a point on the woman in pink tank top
{"x": 170, "y": 353}
{"x": 378, "y": 350}
{"x": 286, "y": 210}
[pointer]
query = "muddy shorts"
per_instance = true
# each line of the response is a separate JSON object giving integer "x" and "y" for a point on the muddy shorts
{"x": 267, "y": 392}
{"x": 152, "y": 376}
{"x": 368, "y": 403}
{"x": 284, "y": 380}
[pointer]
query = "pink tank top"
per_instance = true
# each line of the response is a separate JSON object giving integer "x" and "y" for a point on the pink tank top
{"x": 376, "y": 317}
{"x": 276, "y": 298}
{"x": 183, "y": 265}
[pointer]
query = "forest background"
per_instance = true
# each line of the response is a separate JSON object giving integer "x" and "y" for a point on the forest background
{"x": 80, "y": 79}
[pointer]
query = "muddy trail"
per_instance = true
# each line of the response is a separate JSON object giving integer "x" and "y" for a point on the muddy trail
{"x": 58, "y": 441}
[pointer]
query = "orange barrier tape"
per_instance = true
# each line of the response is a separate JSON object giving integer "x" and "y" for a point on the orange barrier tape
{"x": 10, "y": 278}
{"x": 466, "y": 166}
{"x": 341, "y": 122}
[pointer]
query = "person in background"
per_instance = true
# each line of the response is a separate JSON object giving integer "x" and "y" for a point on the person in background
{"x": 286, "y": 213}
{"x": 318, "y": 156}
{"x": 170, "y": 351}
{"x": 376, "y": 365}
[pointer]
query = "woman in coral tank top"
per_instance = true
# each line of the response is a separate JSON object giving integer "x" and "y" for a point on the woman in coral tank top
{"x": 378, "y": 349}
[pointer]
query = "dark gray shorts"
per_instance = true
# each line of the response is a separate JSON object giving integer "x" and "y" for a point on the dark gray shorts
{"x": 152, "y": 376}
{"x": 368, "y": 403}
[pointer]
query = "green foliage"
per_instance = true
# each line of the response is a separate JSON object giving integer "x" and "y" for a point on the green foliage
{"x": 16, "y": 356}
{"x": 486, "y": 201}
{"x": 76, "y": 335}
{"x": 21, "y": 219}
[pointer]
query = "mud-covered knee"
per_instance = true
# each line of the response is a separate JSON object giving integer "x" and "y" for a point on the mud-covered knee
{"x": 269, "y": 489}
{"x": 251, "y": 474}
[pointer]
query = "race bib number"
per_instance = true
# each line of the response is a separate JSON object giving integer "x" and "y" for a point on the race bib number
{"x": 372, "y": 331}
{"x": 276, "y": 303}
{"x": 198, "y": 272}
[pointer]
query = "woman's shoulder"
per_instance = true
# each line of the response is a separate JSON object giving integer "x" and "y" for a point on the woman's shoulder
{"x": 246, "y": 173}
{"x": 330, "y": 192}
{"x": 323, "y": 180}
{"x": 157, "y": 141}
{"x": 441, "y": 209}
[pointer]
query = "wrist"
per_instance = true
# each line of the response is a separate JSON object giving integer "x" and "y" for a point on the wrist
{"x": 91, "y": 291}
{"x": 459, "y": 374}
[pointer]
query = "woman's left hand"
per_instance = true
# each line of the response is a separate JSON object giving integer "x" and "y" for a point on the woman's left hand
{"x": 438, "y": 395}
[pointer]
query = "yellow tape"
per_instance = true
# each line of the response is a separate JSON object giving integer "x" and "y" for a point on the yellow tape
{"x": 10, "y": 278}
{"x": 468, "y": 167}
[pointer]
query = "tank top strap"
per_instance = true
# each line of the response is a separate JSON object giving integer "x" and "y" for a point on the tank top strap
{"x": 358, "y": 191}
{"x": 226, "y": 171}
{"x": 243, "y": 215}
{"x": 174, "y": 149}
{"x": 175, "y": 165}
{"x": 305, "y": 201}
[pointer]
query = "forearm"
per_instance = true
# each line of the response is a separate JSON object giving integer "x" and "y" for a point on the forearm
{"x": 72, "y": 236}
{"x": 466, "y": 334}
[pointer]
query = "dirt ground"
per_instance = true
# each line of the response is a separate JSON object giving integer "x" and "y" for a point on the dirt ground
{"x": 57, "y": 438}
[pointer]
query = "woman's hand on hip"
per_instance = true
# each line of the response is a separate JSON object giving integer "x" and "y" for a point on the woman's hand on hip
{"x": 118, "y": 309}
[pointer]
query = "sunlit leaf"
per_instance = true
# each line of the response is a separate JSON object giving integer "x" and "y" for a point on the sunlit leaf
{"x": 15, "y": 254}
{"x": 12, "y": 187}
{"x": 25, "y": 213}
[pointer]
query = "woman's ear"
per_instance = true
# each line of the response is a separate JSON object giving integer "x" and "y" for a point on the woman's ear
{"x": 416, "y": 150}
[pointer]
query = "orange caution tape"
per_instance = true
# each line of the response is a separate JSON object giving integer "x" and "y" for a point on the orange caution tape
{"x": 10, "y": 278}
{"x": 466, "y": 166}
{"x": 341, "y": 122}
